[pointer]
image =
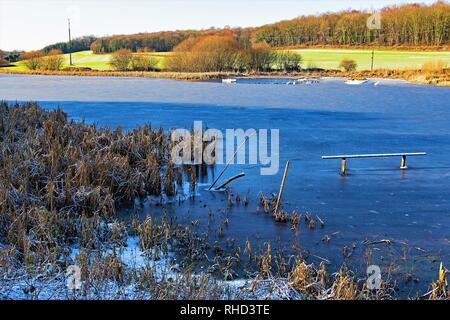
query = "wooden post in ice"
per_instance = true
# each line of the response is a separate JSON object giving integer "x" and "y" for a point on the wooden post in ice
{"x": 403, "y": 167}
{"x": 343, "y": 166}
{"x": 281, "y": 187}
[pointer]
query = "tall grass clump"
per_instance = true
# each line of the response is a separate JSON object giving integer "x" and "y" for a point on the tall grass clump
{"x": 59, "y": 177}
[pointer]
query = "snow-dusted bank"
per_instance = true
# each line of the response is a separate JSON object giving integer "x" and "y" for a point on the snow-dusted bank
{"x": 53, "y": 283}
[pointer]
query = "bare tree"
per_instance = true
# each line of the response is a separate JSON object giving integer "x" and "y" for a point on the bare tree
{"x": 261, "y": 57}
{"x": 205, "y": 54}
{"x": 54, "y": 60}
{"x": 33, "y": 60}
{"x": 288, "y": 61}
{"x": 121, "y": 59}
{"x": 143, "y": 62}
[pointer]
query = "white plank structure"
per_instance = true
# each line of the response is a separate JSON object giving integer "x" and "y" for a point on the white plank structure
{"x": 376, "y": 155}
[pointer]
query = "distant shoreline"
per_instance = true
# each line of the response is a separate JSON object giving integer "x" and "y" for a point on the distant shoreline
{"x": 436, "y": 78}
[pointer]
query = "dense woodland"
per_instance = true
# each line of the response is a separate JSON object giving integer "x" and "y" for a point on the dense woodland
{"x": 77, "y": 44}
{"x": 407, "y": 25}
{"x": 159, "y": 41}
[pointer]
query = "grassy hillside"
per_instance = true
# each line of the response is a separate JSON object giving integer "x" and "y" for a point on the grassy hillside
{"x": 320, "y": 58}
{"x": 91, "y": 60}
{"x": 384, "y": 59}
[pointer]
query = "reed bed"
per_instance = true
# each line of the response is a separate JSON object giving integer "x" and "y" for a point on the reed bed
{"x": 59, "y": 177}
{"x": 61, "y": 185}
{"x": 268, "y": 206}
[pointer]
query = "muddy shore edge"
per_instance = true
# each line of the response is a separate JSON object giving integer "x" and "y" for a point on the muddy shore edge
{"x": 436, "y": 78}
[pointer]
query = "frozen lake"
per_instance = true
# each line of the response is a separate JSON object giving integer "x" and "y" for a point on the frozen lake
{"x": 375, "y": 201}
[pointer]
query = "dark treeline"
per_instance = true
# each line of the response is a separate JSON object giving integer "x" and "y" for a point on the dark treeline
{"x": 158, "y": 41}
{"x": 9, "y": 56}
{"x": 406, "y": 25}
{"x": 77, "y": 44}
{"x": 409, "y": 25}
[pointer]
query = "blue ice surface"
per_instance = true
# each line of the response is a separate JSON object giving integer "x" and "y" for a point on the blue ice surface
{"x": 375, "y": 201}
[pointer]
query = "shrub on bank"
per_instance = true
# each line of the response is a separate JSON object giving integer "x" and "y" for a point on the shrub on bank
{"x": 121, "y": 59}
{"x": 36, "y": 60}
{"x": 288, "y": 61}
{"x": 261, "y": 57}
{"x": 142, "y": 62}
{"x": 124, "y": 60}
{"x": 348, "y": 65}
{"x": 33, "y": 60}
{"x": 54, "y": 60}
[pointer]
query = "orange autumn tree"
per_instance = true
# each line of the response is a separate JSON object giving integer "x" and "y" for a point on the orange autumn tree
{"x": 33, "y": 60}
{"x": 205, "y": 54}
{"x": 120, "y": 60}
{"x": 220, "y": 53}
{"x": 36, "y": 60}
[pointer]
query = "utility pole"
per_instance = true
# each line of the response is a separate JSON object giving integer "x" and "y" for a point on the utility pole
{"x": 373, "y": 48}
{"x": 373, "y": 56}
{"x": 70, "y": 45}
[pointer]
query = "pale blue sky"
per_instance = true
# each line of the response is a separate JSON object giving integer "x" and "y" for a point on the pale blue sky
{"x": 32, "y": 24}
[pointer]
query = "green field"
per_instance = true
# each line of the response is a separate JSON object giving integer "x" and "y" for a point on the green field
{"x": 91, "y": 60}
{"x": 319, "y": 58}
{"x": 384, "y": 59}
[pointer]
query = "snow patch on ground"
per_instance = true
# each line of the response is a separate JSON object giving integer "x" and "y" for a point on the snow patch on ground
{"x": 52, "y": 286}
